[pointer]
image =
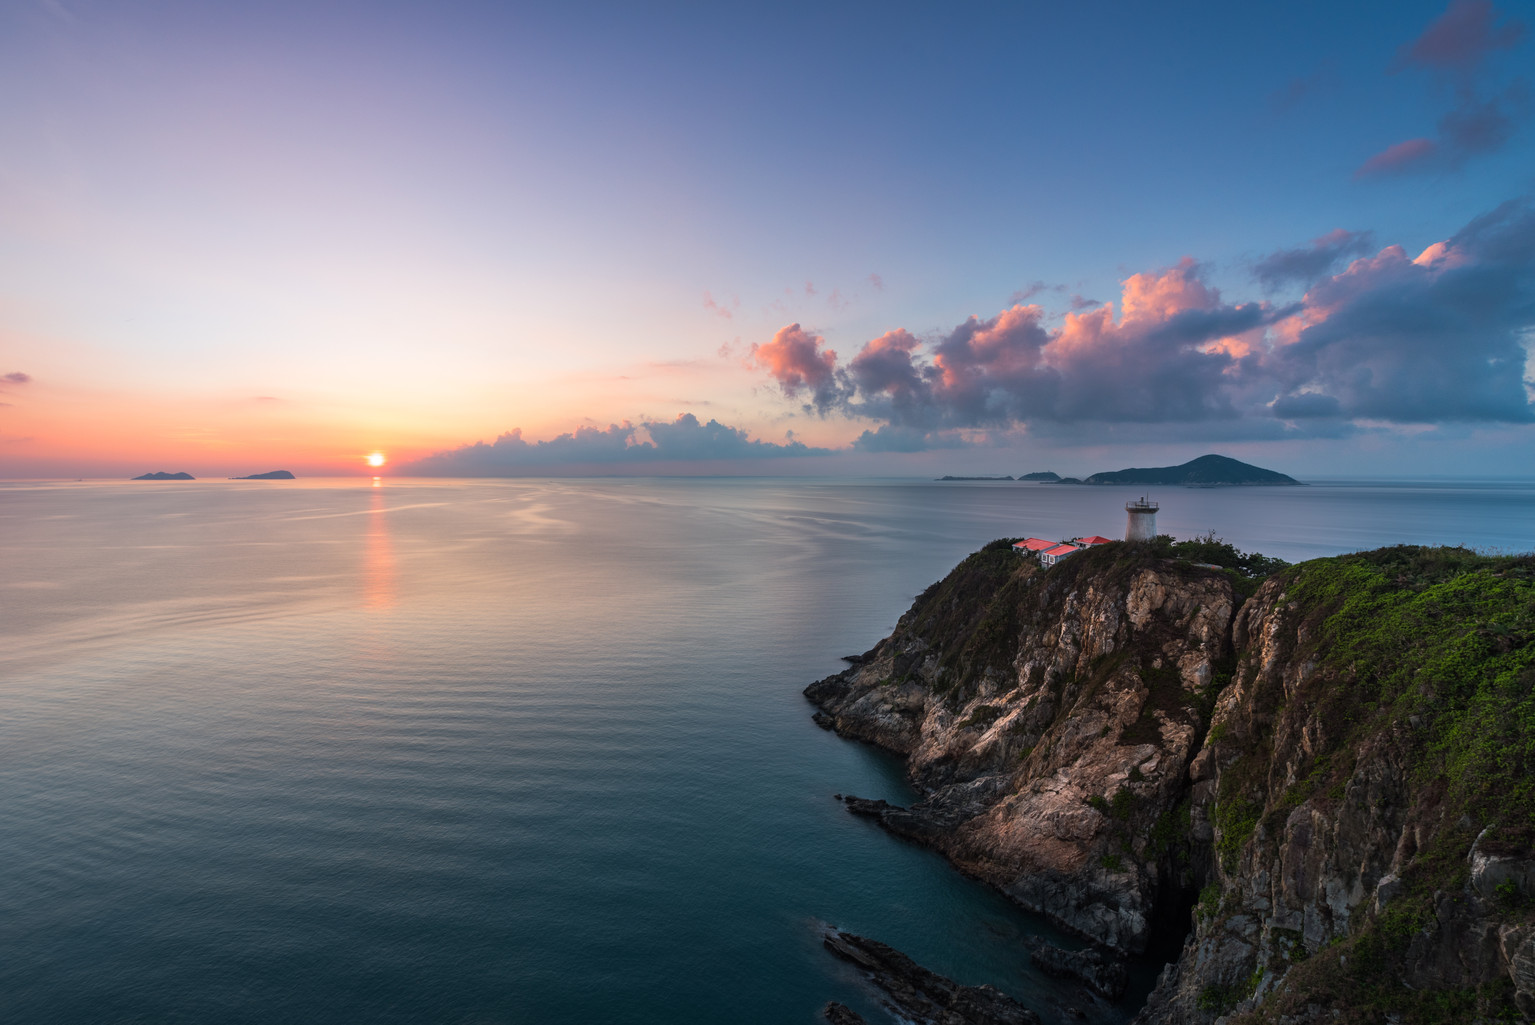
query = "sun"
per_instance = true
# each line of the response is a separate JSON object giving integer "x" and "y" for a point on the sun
{"x": 376, "y": 459}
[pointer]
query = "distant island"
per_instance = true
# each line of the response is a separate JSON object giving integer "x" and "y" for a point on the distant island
{"x": 162, "y": 475}
{"x": 1206, "y": 471}
{"x": 269, "y": 475}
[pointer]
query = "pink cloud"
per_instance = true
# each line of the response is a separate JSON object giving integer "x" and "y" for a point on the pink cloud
{"x": 1462, "y": 37}
{"x": 1391, "y": 338}
{"x": 1159, "y": 296}
{"x": 1458, "y": 43}
{"x": 719, "y": 309}
{"x": 1403, "y": 156}
{"x": 796, "y": 360}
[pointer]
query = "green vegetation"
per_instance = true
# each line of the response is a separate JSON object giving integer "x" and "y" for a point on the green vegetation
{"x": 1170, "y": 834}
{"x": 971, "y": 617}
{"x": 1431, "y": 650}
{"x": 1246, "y": 569}
{"x": 1220, "y": 999}
{"x": 1216, "y": 551}
{"x": 1208, "y": 908}
{"x": 1440, "y": 641}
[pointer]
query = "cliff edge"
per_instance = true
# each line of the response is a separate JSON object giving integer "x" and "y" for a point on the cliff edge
{"x": 1311, "y": 797}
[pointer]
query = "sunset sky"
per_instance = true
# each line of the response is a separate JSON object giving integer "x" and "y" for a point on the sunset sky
{"x": 830, "y": 238}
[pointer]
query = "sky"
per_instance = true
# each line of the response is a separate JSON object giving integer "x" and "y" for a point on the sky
{"x": 505, "y": 239}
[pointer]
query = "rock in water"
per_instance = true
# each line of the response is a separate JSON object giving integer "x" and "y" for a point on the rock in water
{"x": 923, "y": 997}
{"x": 841, "y": 1014}
{"x": 1104, "y": 974}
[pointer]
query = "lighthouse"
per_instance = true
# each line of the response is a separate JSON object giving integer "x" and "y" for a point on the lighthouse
{"x": 1142, "y": 522}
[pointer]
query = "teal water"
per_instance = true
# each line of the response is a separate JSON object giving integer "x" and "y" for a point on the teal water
{"x": 511, "y": 751}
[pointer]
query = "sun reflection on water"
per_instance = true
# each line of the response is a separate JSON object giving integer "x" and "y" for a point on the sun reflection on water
{"x": 378, "y": 555}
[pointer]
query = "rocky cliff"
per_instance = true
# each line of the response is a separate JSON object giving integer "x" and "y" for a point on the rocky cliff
{"x": 1315, "y": 801}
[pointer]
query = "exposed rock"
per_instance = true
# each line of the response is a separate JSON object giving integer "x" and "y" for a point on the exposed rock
{"x": 841, "y": 1014}
{"x": 1046, "y": 759}
{"x": 923, "y": 997}
{"x": 1103, "y": 973}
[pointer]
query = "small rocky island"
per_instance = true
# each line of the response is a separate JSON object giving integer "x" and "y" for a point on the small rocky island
{"x": 1308, "y": 792}
{"x": 162, "y": 475}
{"x": 269, "y": 475}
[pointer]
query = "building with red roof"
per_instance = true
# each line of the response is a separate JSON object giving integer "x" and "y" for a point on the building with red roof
{"x": 1053, "y": 555}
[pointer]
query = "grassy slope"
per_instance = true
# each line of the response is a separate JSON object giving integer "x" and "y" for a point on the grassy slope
{"x": 1438, "y": 646}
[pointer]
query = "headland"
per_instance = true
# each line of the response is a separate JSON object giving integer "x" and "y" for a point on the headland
{"x": 1304, "y": 789}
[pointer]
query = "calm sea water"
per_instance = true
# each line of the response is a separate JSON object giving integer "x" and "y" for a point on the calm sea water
{"x": 510, "y": 751}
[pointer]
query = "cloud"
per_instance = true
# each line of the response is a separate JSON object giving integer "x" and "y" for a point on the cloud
{"x": 684, "y": 439}
{"x": 1399, "y": 157}
{"x": 1304, "y": 265}
{"x": 1461, "y": 38}
{"x": 720, "y": 309}
{"x": 890, "y": 438}
{"x": 1458, "y": 45}
{"x": 14, "y": 377}
{"x": 1389, "y": 339}
{"x": 1297, "y": 90}
{"x": 1031, "y": 290}
{"x": 1440, "y": 337}
{"x": 878, "y": 282}
{"x": 1482, "y": 126}
{"x": 796, "y": 359}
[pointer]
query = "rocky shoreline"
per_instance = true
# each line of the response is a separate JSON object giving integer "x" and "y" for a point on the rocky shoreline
{"x": 1175, "y": 763}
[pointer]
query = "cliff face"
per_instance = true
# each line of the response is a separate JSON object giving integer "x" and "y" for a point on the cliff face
{"x": 1049, "y": 718}
{"x": 1338, "y": 767}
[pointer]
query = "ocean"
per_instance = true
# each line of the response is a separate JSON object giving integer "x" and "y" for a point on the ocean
{"x": 527, "y": 751}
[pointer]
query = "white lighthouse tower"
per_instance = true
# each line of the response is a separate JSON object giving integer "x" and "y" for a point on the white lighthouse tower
{"x": 1142, "y": 522}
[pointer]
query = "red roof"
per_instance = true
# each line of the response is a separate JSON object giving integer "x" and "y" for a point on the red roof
{"x": 1062, "y": 550}
{"x": 1035, "y": 544}
{"x": 1094, "y": 540}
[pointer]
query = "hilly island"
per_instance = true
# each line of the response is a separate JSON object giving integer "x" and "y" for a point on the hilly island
{"x": 1305, "y": 789}
{"x": 1205, "y": 471}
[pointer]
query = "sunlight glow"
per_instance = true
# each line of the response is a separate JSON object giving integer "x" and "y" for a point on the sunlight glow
{"x": 376, "y": 459}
